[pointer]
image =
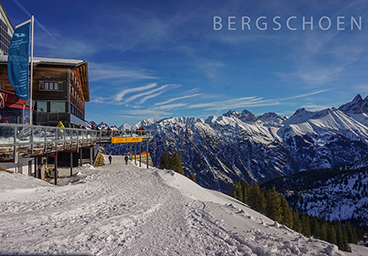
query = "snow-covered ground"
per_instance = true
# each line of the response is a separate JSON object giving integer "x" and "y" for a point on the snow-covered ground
{"x": 122, "y": 209}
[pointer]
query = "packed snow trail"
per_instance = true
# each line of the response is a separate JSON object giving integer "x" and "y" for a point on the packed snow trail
{"x": 121, "y": 209}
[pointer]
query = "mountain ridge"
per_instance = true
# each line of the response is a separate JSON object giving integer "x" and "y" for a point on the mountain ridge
{"x": 240, "y": 146}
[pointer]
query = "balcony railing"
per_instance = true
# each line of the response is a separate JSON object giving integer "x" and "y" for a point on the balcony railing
{"x": 18, "y": 140}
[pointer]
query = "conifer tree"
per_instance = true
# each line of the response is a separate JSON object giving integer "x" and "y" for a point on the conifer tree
{"x": 351, "y": 233}
{"x": 287, "y": 215}
{"x": 323, "y": 230}
{"x": 355, "y": 236}
{"x": 164, "y": 161}
{"x": 316, "y": 228}
{"x": 245, "y": 190}
{"x": 260, "y": 200}
{"x": 297, "y": 224}
{"x": 339, "y": 238}
{"x": 234, "y": 190}
{"x": 193, "y": 177}
{"x": 176, "y": 161}
{"x": 171, "y": 162}
{"x": 331, "y": 234}
{"x": 306, "y": 227}
{"x": 273, "y": 209}
{"x": 345, "y": 239}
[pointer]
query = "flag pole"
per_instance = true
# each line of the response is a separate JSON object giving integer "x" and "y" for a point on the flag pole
{"x": 31, "y": 84}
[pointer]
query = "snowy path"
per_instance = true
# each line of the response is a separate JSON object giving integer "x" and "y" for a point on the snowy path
{"x": 125, "y": 210}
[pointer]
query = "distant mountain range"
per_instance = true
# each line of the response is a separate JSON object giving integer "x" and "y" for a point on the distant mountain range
{"x": 239, "y": 146}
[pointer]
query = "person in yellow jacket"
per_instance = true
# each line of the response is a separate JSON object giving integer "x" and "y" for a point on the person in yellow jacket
{"x": 61, "y": 131}
{"x": 61, "y": 125}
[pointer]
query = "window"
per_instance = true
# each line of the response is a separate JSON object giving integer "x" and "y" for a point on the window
{"x": 56, "y": 107}
{"x": 41, "y": 106}
{"x": 51, "y": 86}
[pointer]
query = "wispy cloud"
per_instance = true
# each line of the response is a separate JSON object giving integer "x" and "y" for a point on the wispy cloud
{"x": 98, "y": 100}
{"x": 306, "y": 94}
{"x": 152, "y": 112}
{"x": 143, "y": 114}
{"x": 235, "y": 103}
{"x": 169, "y": 106}
{"x": 120, "y": 96}
{"x": 250, "y": 102}
{"x": 150, "y": 93}
{"x": 211, "y": 68}
{"x": 188, "y": 95}
{"x": 112, "y": 71}
{"x": 313, "y": 75}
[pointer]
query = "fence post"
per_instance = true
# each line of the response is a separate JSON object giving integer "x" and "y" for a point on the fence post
{"x": 71, "y": 164}
{"x": 135, "y": 155}
{"x": 80, "y": 157}
{"x": 147, "y": 153}
{"x": 35, "y": 166}
{"x": 56, "y": 172}
{"x": 31, "y": 140}
{"x": 140, "y": 154}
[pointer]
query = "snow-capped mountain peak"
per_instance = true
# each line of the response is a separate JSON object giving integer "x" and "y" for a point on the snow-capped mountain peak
{"x": 354, "y": 106}
{"x": 357, "y": 109}
{"x": 241, "y": 146}
{"x": 248, "y": 117}
{"x": 271, "y": 118}
{"x": 232, "y": 113}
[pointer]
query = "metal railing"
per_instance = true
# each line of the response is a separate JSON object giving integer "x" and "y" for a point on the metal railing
{"x": 18, "y": 140}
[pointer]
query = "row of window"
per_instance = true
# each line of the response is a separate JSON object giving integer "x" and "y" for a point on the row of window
{"x": 55, "y": 107}
{"x": 75, "y": 95}
{"x": 4, "y": 48}
{"x": 51, "y": 86}
{"x": 58, "y": 107}
{"x": 58, "y": 86}
{"x": 5, "y": 37}
{"x": 74, "y": 79}
{"x": 75, "y": 111}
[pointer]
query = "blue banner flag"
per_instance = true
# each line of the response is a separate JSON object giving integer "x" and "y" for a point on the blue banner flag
{"x": 18, "y": 58}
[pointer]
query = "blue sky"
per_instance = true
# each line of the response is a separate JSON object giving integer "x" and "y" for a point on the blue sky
{"x": 157, "y": 59}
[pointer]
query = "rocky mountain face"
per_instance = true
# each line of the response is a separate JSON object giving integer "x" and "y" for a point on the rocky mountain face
{"x": 256, "y": 149}
{"x": 357, "y": 109}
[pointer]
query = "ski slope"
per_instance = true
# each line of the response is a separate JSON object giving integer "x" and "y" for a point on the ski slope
{"x": 122, "y": 209}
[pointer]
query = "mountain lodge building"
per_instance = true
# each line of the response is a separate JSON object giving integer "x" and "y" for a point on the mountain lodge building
{"x": 60, "y": 90}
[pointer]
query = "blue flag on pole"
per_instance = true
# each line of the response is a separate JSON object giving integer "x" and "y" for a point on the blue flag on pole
{"x": 18, "y": 58}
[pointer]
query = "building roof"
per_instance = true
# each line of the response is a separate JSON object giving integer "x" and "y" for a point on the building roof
{"x": 49, "y": 61}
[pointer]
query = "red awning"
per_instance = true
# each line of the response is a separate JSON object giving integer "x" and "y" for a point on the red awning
{"x": 11, "y": 100}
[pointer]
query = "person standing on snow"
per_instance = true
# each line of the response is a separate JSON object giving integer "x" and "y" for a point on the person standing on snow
{"x": 126, "y": 159}
{"x": 110, "y": 159}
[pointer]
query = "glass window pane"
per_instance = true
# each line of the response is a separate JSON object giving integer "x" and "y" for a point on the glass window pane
{"x": 57, "y": 107}
{"x": 41, "y": 106}
{"x": 46, "y": 86}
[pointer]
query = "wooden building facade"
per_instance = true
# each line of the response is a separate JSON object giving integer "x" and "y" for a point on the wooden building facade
{"x": 60, "y": 90}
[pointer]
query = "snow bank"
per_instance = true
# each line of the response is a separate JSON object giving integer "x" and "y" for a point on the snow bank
{"x": 121, "y": 209}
